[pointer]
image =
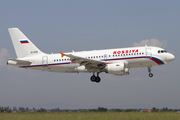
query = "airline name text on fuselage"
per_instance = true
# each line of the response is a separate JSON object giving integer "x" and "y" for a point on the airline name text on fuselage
{"x": 126, "y": 51}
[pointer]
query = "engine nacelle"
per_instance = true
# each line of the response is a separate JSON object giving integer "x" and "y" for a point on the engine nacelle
{"x": 117, "y": 69}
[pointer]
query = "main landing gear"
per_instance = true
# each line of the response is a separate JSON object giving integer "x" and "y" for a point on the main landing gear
{"x": 149, "y": 70}
{"x": 94, "y": 78}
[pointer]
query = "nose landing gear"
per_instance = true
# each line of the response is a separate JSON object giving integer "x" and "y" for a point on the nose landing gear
{"x": 150, "y": 75}
{"x": 149, "y": 70}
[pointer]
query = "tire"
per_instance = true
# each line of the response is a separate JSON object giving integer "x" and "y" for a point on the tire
{"x": 150, "y": 75}
{"x": 93, "y": 78}
{"x": 98, "y": 79}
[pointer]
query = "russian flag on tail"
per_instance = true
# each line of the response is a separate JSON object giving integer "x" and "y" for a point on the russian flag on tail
{"x": 24, "y": 41}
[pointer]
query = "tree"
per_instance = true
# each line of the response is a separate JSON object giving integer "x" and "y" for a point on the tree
{"x": 27, "y": 109}
{"x": 22, "y": 109}
{"x": 92, "y": 110}
{"x": 41, "y": 110}
{"x": 101, "y": 109}
{"x": 130, "y": 110}
{"x": 117, "y": 110}
{"x": 66, "y": 110}
{"x": 154, "y": 109}
{"x": 165, "y": 109}
{"x": 6, "y": 109}
{"x": 14, "y": 108}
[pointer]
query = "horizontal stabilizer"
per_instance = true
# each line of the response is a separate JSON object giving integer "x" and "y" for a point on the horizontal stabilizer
{"x": 18, "y": 62}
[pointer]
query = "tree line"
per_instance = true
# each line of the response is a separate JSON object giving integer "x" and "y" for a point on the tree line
{"x": 99, "y": 109}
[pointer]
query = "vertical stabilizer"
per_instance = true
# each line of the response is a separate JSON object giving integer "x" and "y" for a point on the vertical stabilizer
{"x": 22, "y": 45}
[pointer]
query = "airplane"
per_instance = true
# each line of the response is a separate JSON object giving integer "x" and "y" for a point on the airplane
{"x": 116, "y": 61}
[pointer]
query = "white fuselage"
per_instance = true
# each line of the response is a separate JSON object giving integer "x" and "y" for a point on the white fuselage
{"x": 133, "y": 57}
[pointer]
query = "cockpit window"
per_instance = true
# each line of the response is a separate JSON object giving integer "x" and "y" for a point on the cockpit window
{"x": 162, "y": 51}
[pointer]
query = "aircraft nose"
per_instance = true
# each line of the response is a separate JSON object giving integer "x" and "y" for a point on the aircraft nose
{"x": 170, "y": 58}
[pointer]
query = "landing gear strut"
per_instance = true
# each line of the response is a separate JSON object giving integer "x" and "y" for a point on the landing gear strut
{"x": 149, "y": 70}
{"x": 95, "y": 79}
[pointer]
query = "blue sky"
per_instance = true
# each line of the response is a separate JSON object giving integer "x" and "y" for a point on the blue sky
{"x": 66, "y": 25}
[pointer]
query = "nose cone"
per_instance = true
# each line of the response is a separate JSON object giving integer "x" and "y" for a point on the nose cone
{"x": 170, "y": 58}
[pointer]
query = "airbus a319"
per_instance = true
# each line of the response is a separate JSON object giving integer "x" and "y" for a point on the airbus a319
{"x": 117, "y": 61}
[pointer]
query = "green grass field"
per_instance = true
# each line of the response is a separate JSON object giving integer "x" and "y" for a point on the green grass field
{"x": 91, "y": 116}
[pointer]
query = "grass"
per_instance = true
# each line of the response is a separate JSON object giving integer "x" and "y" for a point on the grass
{"x": 91, "y": 116}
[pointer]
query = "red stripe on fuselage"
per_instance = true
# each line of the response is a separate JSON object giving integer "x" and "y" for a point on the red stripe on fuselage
{"x": 102, "y": 60}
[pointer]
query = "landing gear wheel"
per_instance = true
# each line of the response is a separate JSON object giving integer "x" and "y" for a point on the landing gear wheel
{"x": 150, "y": 75}
{"x": 98, "y": 79}
{"x": 93, "y": 78}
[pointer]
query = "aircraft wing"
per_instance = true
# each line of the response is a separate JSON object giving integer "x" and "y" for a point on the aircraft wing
{"x": 88, "y": 63}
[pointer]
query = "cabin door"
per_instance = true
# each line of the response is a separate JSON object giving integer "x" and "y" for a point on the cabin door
{"x": 148, "y": 53}
{"x": 105, "y": 57}
{"x": 45, "y": 60}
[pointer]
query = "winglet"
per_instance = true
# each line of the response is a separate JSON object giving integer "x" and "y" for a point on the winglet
{"x": 62, "y": 54}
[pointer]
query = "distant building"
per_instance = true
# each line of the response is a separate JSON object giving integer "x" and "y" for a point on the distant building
{"x": 32, "y": 110}
{"x": 146, "y": 110}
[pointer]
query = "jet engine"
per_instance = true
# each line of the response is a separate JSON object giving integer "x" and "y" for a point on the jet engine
{"x": 117, "y": 69}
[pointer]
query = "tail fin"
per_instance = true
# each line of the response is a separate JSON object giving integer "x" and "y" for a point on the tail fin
{"x": 22, "y": 45}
